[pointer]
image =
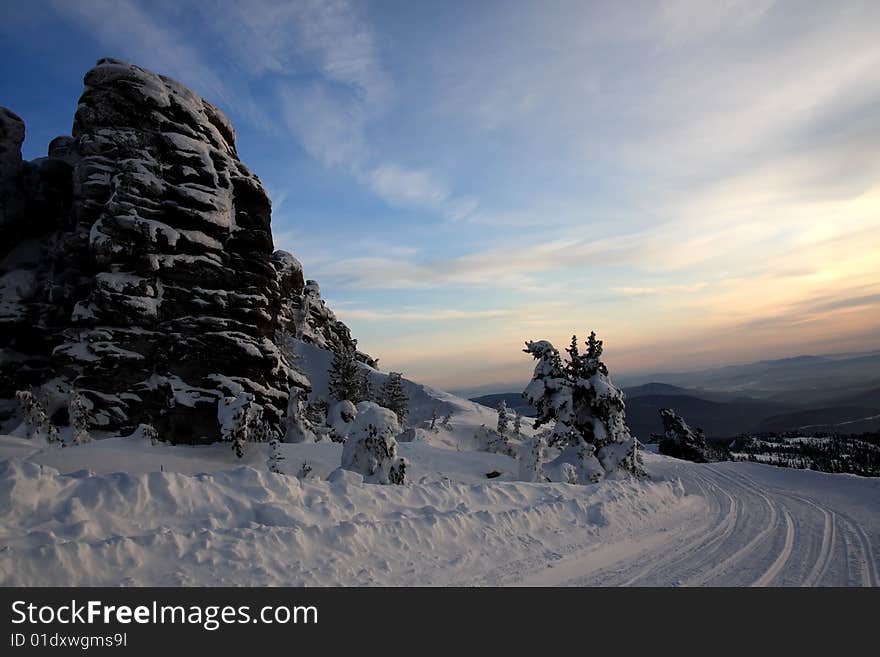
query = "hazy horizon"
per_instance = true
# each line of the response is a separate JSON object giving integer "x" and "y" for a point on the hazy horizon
{"x": 698, "y": 184}
{"x": 636, "y": 378}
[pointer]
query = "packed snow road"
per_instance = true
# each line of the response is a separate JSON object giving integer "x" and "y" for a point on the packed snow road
{"x": 761, "y": 526}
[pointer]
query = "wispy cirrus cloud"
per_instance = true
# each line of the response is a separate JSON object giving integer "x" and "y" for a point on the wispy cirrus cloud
{"x": 320, "y": 57}
{"x": 654, "y": 291}
{"x": 329, "y": 128}
{"x": 436, "y": 315}
{"x": 133, "y": 28}
{"x": 406, "y": 187}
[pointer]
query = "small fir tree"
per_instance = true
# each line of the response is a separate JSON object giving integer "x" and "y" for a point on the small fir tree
{"x": 36, "y": 419}
{"x": 242, "y": 422}
{"x": 78, "y": 412}
{"x": 393, "y": 397}
{"x": 276, "y": 456}
{"x": 304, "y": 470}
{"x": 503, "y": 418}
{"x": 148, "y": 431}
{"x": 347, "y": 383}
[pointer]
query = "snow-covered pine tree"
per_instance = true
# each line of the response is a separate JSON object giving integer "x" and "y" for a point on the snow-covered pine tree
{"x": 587, "y": 408}
{"x": 78, "y": 412}
{"x": 445, "y": 423}
{"x": 434, "y": 417}
{"x": 550, "y": 392}
{"x": 261, "y": 430}
{"x": 393, "y": 397}
{"x": 299, "y": 428}
{"x": 148, "y": 431}
{"x": 572, "y": 365}
{"x": 503, "y": 418}
{"x": 36, "y": 420}
{"x": 240, "y": 422}
{"x": 371, "y": 448}
{"x": 305, "y": 470}
{"x": 239, "y": 438}
{"x": 346, "y": 380}
{"x": 531, "y": 457}
{"x": 340, "y": 420}
{"x": 492, "y": 441}
{"x": 276, "y": 456}
{"x": 365, "y": 386}
{"x": 315, "y": 413}
{"x": 517, "y": 424}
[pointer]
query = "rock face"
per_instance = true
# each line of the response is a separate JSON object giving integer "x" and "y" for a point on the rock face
{"x": 11, "y": 199}
{"x": 684, "y": 442}
{"x": 305, "y": 315}
{"x": 137, "y": 266}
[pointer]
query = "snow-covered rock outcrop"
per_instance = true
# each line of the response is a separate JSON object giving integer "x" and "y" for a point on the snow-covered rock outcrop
{"x": 137, "y": 267}
{"x": 304, "y": 313}
{"x": 685, "y": 442}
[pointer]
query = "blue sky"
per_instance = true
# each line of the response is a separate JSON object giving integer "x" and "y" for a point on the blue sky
{"x": 698, "y": 182}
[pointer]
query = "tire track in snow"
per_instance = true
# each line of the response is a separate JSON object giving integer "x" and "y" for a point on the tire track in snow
{"x": 820, "y": 567}
{"x": 752, "y": 532}
{"x": 711, "y": 538}
{"x": 687, "y": 547}
{"x": 776, "y": 567}
{"x": 870, "y": 572}
{"x": 723, "y": 567}
{"x": 863, "y": 551}
{"x": 796, "y": 533}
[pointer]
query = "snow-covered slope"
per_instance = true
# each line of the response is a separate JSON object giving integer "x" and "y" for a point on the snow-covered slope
{"x": 424, "y": 401}
{"x": 125, "y": 511}
{"x": 159, "y": 522}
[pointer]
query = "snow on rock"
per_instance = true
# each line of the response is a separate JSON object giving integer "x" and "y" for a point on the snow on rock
{"x": 305, "y": 315}
{"x": 682, "y": 441}
{"x": 140, "y": 250}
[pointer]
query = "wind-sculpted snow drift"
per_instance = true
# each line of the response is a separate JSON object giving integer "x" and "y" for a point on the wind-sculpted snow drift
{"x": 138, "y": 269}
{"x": 250, "y": 527}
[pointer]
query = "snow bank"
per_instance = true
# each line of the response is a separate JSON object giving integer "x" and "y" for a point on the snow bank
{"x": 249, "y": 527}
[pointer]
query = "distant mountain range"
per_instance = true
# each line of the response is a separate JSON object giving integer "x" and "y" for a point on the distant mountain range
{"x": 810, "y": 393}
{"x": 800, "y": 380}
